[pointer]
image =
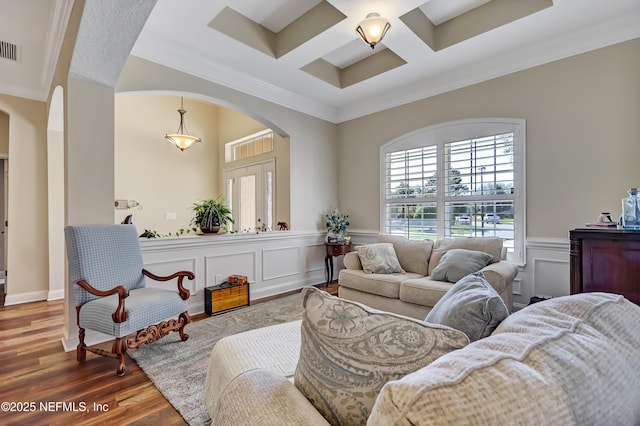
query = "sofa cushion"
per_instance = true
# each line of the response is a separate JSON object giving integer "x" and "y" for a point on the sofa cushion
{"x": 352, "y": 261}
{"x": 349, "y": 351}
{"x": 413, "y": 255}
{"x": 570, "y": 360}
{"x": 387, "y": 285}
{"x": 471, "y": 306}
{"x": 379, "y": 258}
{"x": 423, "y": 290}
{"x": 266, "y": 398}
{"x": 275, "y": 347}
{"x": 458, "y": 263}
{"x": 489, "y": 245}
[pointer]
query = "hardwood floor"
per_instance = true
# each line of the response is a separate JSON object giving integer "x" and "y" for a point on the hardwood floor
{"x": 44, "y": 385}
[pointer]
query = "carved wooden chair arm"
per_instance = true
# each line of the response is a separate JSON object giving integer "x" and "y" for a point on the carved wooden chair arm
{"x": 120, "y": 315}
{"x": 181, "y": 275}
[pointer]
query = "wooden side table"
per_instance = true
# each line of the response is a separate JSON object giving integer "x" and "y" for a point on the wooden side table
{"x": 334, "y": 250}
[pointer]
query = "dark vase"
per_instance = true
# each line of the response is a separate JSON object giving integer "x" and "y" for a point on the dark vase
{"x": 210, "y": 229}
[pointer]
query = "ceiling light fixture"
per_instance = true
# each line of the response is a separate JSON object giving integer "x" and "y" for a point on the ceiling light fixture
{"x": 373, "y": 29}
{"x": 181, "y": 139}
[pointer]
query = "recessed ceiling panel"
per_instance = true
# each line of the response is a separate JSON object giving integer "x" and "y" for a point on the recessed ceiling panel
{"x": 439, "y": 11}
{"x": 351, "y": 53}
{"x": 481, "y": 19}
{"x": 381, "y": 61}
{"x": 275, "y": 14}
{"x": 311, "y": 23}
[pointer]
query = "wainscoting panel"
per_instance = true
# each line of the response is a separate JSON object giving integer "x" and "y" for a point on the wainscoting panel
{"x": 546, "y": 272}
{"x": 169, "y": 267}
{"x": 551, "y": 277}
{"x": 314, "y": 258}
{"x": 274, "y": 262}
{"x": 280, "y": 263}
{"x": 223, "y": 265}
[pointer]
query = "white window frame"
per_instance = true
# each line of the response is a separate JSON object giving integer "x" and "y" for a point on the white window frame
{"x": 440, "y": 134}
{"x": 229, "y": 147}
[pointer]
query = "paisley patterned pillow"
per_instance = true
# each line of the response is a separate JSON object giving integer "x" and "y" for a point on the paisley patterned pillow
{"x": 379, "y": 258}
{"x": 349, "y": 351}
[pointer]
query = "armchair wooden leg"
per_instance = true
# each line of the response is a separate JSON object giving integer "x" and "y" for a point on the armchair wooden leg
{"x": 81, "y": 350}
{"x": 185, "y": 319}
{"x": 120, "y": 350}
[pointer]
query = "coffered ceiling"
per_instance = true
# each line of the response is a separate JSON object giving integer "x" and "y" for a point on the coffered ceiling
{"x": 306, "y": 55}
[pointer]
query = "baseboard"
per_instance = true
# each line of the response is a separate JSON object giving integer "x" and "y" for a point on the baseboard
{"x": 34, "y": 296}
{"x": 55, "y": 295}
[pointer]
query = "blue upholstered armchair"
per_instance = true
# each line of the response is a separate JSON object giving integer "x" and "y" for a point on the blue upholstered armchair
{"x": 108, "y": 280}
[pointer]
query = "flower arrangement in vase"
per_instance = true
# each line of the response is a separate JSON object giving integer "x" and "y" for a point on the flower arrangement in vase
{"x": 337, "y": 224}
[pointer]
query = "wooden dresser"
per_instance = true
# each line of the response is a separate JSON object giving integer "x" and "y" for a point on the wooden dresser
{"x": 605, "y": 259}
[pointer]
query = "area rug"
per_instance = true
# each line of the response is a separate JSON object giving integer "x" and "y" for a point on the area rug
{"x": 178, "y": 369}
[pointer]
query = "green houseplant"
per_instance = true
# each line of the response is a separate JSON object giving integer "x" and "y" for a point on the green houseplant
{"x": 211, "y": 214}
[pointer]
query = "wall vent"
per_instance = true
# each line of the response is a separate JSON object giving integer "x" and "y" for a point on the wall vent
{"x": 8, "y": 50}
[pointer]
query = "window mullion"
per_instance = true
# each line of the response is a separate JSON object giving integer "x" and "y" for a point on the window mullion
{"x": 440, "y": 191}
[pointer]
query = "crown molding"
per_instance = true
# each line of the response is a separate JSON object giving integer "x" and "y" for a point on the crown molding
{"x": 28, "y": 92}
{"x": 157, "y": 49}
{"x": 58, "y": 21}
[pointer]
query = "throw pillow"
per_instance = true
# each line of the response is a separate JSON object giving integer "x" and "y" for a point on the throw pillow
{"x": 472, "y": 306}
{"x": 457, "y": 263}
{"x": 379, "y": 258}
{"x": 490, "y": 245}
{"x": 349, "y": 351}
{"x": 413, "y": 255}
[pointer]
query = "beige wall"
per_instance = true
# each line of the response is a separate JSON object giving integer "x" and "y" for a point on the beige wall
{"x": 151, "y": 171}
{"x": 27, "y": 199}
{"x": 154, "y": 172}
{"x": 4, "y": 134}
{"x": 582, "y": 137}
{"x": 313, "y": 142}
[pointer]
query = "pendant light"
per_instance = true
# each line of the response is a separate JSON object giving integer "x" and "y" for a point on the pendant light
{"x": 373, "y": 29}
{"x": 181, "y": 139}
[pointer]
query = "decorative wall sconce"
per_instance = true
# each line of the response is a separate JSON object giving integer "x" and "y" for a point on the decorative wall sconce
{"x": 181, "y": 139}
{"x": 373, "y": 29}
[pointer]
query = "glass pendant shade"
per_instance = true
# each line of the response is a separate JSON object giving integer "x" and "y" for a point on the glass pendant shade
{"x": 373, "y": 29}
{"x": 181, "y": 139}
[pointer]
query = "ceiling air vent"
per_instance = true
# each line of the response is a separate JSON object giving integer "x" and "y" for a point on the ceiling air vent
{"x": 8, "y": 50}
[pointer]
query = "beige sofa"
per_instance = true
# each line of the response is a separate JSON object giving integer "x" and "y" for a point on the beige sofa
{"x": 413, "y": 293}
{"x": 571, "y": 360}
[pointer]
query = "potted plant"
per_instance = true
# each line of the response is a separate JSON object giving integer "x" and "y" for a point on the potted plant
{"x": 211, "y": 214}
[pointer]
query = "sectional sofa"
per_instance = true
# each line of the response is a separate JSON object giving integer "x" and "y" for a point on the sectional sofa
{"x": 571, "y": 360}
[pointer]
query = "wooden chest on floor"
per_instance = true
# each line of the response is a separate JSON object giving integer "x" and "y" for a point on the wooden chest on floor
{"x": 224, "y": 297}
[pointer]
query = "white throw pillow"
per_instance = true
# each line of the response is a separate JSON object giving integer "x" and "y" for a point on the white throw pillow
{"x": 379, "y": 258}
